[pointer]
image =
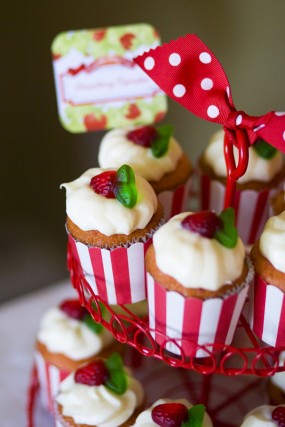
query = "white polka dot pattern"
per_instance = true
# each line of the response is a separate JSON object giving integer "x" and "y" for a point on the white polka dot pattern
{"x": 207, "y": 84}
{"x": 187, "y": 71}
{"x": 238, "y": 119}
{"x": 213, "y": 111}
{"x": 179, "y": 90}
{"x": 149, "y": 63}
{"x": 174, "y": 59}
{"x": 258, "y": 128}
{"x": 205, "y": 57}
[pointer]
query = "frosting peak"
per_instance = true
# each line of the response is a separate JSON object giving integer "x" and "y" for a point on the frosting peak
{"x": 272, "y": 241}
{"x": 96, "y": 405}
{"x": 116, "y": 149}
{"x": 260, "y": 417}
{"x": 92, "y": 211}
{"x": 71, "y": 337}
{"x": 145, "y": 418}
{"x": 193, "y": 260}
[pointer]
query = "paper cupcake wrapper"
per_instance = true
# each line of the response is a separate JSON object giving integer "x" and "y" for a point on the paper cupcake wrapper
{"x": 192, "y": 321}
{"x": 267, "y": 312}
{"x": 49, "y": 377}
{"x": 118, "y": 276}
{"x": 175, "y": 201}
{"x": 251, "y": 207}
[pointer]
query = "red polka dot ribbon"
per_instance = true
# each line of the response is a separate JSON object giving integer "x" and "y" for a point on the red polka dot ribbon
{"x": 187, "y": 71}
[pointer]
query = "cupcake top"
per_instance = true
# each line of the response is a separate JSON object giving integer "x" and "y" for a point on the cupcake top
{"x": 100, "y": 394}
{"x": 265, "y": 416}
{"x": 91, "y": 202}
{"x": 272, "y": 241}
{"x": 134, "y": 146}
{"x": 259, "y": 167}
{"x": 70, "y": 330}
{"x": 164, "y": 408}
{"x": 187, "y": 249}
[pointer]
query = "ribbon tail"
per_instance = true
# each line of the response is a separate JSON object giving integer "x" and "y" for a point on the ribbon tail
{"x": 271, "y": 128}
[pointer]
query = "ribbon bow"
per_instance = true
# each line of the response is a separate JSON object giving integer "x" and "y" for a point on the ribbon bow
{"x": 188, "y": 72}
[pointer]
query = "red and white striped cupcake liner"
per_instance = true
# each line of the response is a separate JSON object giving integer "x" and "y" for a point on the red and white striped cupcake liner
{"x": 49, "y": 377}
{"x": 267, "y": 312}
{"x": 251, "y": 207}
{"x": 175, "y": 201}
{"x": 118, "y": 275}
{"x": 192, "y": 322}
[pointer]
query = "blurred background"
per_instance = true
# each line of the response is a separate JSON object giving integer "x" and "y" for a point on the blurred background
{"x": 37, "y": 154}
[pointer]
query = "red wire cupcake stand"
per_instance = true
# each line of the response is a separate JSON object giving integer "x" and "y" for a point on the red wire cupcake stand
{"x": 247, "y": 355}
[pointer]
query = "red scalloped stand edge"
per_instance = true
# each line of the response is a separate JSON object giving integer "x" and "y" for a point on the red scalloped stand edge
{"x": 262, "y": 361}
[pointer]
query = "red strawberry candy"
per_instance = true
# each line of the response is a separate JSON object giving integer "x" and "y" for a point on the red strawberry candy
{"x": 127, "y": 40}
{"x": 104, "y": 184}
{"x": 205, "y": 223}
{"x": 278, "y": 416}
{"x": 169, "y": 414}
{"x": 95, "y": 373}
{"x": 73, "y": 309}
{"x": 143, "y": 136}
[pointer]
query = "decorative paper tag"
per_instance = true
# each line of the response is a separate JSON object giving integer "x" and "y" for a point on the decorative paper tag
{"x": 98, "y": 86}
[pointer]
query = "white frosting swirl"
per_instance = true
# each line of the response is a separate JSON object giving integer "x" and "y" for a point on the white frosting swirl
{"x": 193, "y": 260}
{"x": 259, "y": 169}
{"x": 115, "y": 149}
{"x": 145, "y": 419}
{"x": 92, "y": 211}
{"x": 96, "y": 405}
{"x": 260, "y": 416}
{"x": 272, "y": 241}
{"x": 71, "y": 337}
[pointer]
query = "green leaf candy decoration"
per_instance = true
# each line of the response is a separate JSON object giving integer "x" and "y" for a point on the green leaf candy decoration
{"x": 227, "y": 235}
{"x": 95, "y": 327}
{"x": 160, "y": 145}
{"x": 264, "y": 150}
{"x": 114, "y": 362}
{"x": 195, "y": 416}
{"x": 117, "y": 381}
{"x": 125, "y": 187}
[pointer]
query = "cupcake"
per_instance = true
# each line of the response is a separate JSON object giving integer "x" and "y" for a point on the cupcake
{"x": 100, "y": 394}
{"x": 198, "y": 278}
{"x": 265, "y": 416}
{"x": 111, "y": 217}
{"x": 267, "y": 309}
{"x": 263, "y": 178}
{"x": 174, "y": 413}
{"x": 276, "y": 384}
{"x": 67, "y": 337}
{"x": 155, "y": 155}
